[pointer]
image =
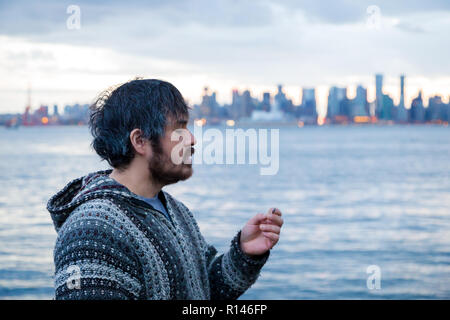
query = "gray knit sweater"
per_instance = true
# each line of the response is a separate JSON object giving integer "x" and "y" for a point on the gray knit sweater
{"x": 119, "y": 247}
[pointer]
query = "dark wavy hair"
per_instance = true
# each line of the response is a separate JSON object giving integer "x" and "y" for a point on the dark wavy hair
{"x": 140, "y": 103}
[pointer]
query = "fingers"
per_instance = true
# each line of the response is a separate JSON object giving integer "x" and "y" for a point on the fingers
{"x": 257, "y": 219}
{"x": 274, "y": 217}
{"x": 271, "y": 231}
{"x": 275, "y": 211}
{"x": 270, "y": 228}
{"x": 270, "y": 225}
{"x": 274, "y": 237}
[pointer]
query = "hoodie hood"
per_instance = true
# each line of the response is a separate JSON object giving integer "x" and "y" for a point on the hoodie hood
{"x": 92, "y": 186}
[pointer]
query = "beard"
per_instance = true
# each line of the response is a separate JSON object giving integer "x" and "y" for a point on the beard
{"x": 164, "y": 171}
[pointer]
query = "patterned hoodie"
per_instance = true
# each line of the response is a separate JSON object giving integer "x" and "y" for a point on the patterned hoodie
{"x": 112, "y": 245}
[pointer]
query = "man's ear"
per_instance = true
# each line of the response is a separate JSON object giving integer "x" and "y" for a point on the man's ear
{"x": 140, "y": 144}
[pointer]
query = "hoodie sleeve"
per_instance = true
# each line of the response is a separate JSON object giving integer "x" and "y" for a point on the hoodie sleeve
{"x": 233, "y": 272}
{"x": 229, "y": 274}
{"x": 93, "y": 261}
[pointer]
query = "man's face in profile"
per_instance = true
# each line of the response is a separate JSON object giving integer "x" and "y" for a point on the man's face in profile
{"x": 172, "y": 156}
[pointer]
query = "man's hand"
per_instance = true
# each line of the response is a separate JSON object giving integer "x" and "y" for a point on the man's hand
{"x": 261, "y": 232}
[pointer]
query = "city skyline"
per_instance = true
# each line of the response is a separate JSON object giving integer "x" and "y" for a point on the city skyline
{"x": 222, "y": 45}
{"x": 321, "y": 92}
{"x": 276, "y": 108}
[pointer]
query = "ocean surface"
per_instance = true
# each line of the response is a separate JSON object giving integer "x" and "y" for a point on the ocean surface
{"x": 351, "y": 197}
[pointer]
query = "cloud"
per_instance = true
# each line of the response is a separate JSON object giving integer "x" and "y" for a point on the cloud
{"x": 24, "y": 18}
{"x": 254, "y": 44}
{"x": 408, "y": 27}
{"x": 350, "y": 11}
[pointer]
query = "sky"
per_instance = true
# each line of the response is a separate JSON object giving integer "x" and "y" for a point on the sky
{"x": 223, "y": 44}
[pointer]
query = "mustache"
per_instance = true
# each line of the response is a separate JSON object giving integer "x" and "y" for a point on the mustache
{"x": 192, "y": 149}
{"x": 187, "y": 152}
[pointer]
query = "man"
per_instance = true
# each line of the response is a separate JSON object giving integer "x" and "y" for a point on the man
{"x": 120, "y": 236}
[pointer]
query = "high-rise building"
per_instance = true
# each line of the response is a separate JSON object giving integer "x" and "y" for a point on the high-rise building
{"x": 388, "y": 106}
{"x": 247, "y": 103}
{"x": 402, "y": 113}
{"x": 383, "y": 103}
{"x": 280, "y": 99}
{"x": 236, "y": 111}
{"x": 379, "y": 93}
{"x": 270, "y": 113}
{"x": 402, "y": 90}
{"x": 208, "y": 106}
{"x": 308, "y": 96}
{"x": 335, "y": 98}
{"x": 308, "y": 112}
{"x": 265, "y": 105}
{"x": 417, "y": 110}
{"x": 445, "y": 114}
{"x": 75, "y": 114}
{"x": 26, "y": 116}
{"x": 42, "y": 111}
{"x": 434, "y": 110}
{"x": 359, "y": 104}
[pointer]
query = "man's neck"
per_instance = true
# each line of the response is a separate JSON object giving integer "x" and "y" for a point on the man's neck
{"x": 136, "y": 181}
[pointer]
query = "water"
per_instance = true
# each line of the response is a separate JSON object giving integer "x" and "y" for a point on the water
{"x": 351, "y": 197}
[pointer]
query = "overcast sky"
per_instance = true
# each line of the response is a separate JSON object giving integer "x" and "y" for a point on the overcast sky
{"x": 223, "y": 45}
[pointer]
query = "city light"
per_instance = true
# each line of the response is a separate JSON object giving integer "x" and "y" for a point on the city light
{"x": 200, "y": 122}
{"x": 361, "y": 119}
{"x": 230, "y": 123}
{"x": 342, "y": 109}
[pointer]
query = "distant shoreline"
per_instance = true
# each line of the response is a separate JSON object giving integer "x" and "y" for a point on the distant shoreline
{"x": 263, "y": 125}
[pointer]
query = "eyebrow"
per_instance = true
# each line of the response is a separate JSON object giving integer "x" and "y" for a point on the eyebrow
{"x": 182, "y": 121}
